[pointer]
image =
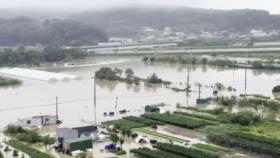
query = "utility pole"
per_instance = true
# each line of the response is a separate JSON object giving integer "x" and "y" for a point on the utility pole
{"x": 116, "y": 107}
{"x": 188, "y": 86}
{"x": 245, "y": 80}
{"x": 199, "y": 90}
{"x": 56, "y": 108}
{"x": 94, "y": 101}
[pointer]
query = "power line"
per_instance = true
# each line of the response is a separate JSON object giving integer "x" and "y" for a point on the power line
{"x": 71, "y": 101}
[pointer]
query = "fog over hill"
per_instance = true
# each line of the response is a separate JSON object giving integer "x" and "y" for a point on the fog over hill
{"x": 130, "y": 20}
{"x": 124, "y": 22}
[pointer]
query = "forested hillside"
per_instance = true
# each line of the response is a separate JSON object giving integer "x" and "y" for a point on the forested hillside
{"x": 129, "y": 21}
{"x": 30, "y": 31}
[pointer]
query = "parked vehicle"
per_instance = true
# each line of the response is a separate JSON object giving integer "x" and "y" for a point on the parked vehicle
{"x": 110, "y": 147}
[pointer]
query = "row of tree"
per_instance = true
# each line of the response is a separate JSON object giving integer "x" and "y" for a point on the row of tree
{"x": 10, "y": 57}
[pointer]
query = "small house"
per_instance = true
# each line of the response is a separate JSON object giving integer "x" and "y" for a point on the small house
{"x": 66, "y": 133}
{"x": 86, "y": 130}
{"x": 82, "y": 144}
{"x": 29, "y": 122}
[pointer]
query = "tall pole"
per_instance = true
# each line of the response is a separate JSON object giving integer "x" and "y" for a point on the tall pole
{"x": 188, "y": 86}
{"x": 94, "y": 101}
{"x": 245, "y": 80}
{"x": 116, "y": 107}
{"x": 56, "y": 107}
{"x": 199, "y": 90}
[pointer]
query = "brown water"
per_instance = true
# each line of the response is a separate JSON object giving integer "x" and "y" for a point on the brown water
{"x": 77, "y": 106}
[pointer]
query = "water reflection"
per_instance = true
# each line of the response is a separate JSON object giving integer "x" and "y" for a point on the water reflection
{"x": 130, "y": 96}
{"x": 110, "y": 85}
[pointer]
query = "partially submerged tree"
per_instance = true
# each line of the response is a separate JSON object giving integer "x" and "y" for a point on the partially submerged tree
{"x": 129, "y": 73}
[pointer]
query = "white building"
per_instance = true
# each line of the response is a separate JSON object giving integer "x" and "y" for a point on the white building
{"x": 29, "y": 122}
{"x": 258, "y": 33}
{"x": 37, "y": 121}
{"x": 167, "y": 31}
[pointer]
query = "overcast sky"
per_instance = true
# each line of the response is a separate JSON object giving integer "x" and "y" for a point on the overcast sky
{"x": 270, "y": 5}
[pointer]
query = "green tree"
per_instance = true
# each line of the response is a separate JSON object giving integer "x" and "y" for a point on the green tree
{"x": 47, "y": 140}
{"x": 118, "y": 71}
{"x": 121, "y": 142}
{"x": 145, "y": 59}
{"x": 204, "y": 61}
{"x": 129, "y": 73}
{"x": 115, "y": 138}
{"x": 1, "y": 154}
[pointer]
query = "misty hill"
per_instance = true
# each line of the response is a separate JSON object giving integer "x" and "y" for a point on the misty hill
{"x": 128, "y": 21}
{"x": 31, "y": 31}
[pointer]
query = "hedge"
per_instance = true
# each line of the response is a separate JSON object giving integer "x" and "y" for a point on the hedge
{"x": 33, "y": 153}
{"x": 246, "y": 144}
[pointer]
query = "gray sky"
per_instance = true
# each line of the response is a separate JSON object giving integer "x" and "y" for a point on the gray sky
{"x": 270, "y": 5}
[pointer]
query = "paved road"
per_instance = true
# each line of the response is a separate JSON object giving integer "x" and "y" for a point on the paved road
{"x": 189, "y": 51}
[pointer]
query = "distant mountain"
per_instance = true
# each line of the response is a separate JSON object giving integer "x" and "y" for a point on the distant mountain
{"x": 31, "y": 31}
{"x": 128, "y": 21}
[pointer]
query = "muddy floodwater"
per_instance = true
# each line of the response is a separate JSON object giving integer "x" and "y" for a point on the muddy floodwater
{"x": 76, "y": 96}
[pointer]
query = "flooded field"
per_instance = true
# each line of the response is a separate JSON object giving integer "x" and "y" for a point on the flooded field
{"x": 76, "y": 97}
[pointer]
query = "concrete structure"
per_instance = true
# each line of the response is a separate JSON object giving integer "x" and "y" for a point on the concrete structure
{"x": 67, "y": 133}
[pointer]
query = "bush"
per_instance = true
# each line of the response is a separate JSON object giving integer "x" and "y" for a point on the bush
{"x": 121, "y": 152}
{"x": 154, "y": 79}
{"x": 244, "y": 118}
{"x": 14, "y": 130}
{"x": 106, "y": 73}
{"x": 4, "y": 81}
{"x": 15, "y": 153}
{"x": 7, "y": 149}
{"x": 276, "y": 89}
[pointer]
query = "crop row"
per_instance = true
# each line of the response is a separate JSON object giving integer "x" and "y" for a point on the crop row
{"x": 124, "y": 124}
{"x": 160, "y": 135}
{"x": 143, "y": 120}
{"x": 149, "y": 153}
{"x": 209, "y": 147}
{"x": 261, "y": 139}
{"x": 201, "y": 116}
{"x": 33, "y": 153}
{"x": 178, "y": 120}
{"x": 182, "y": 151}
{"x": 246, "y": 144}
